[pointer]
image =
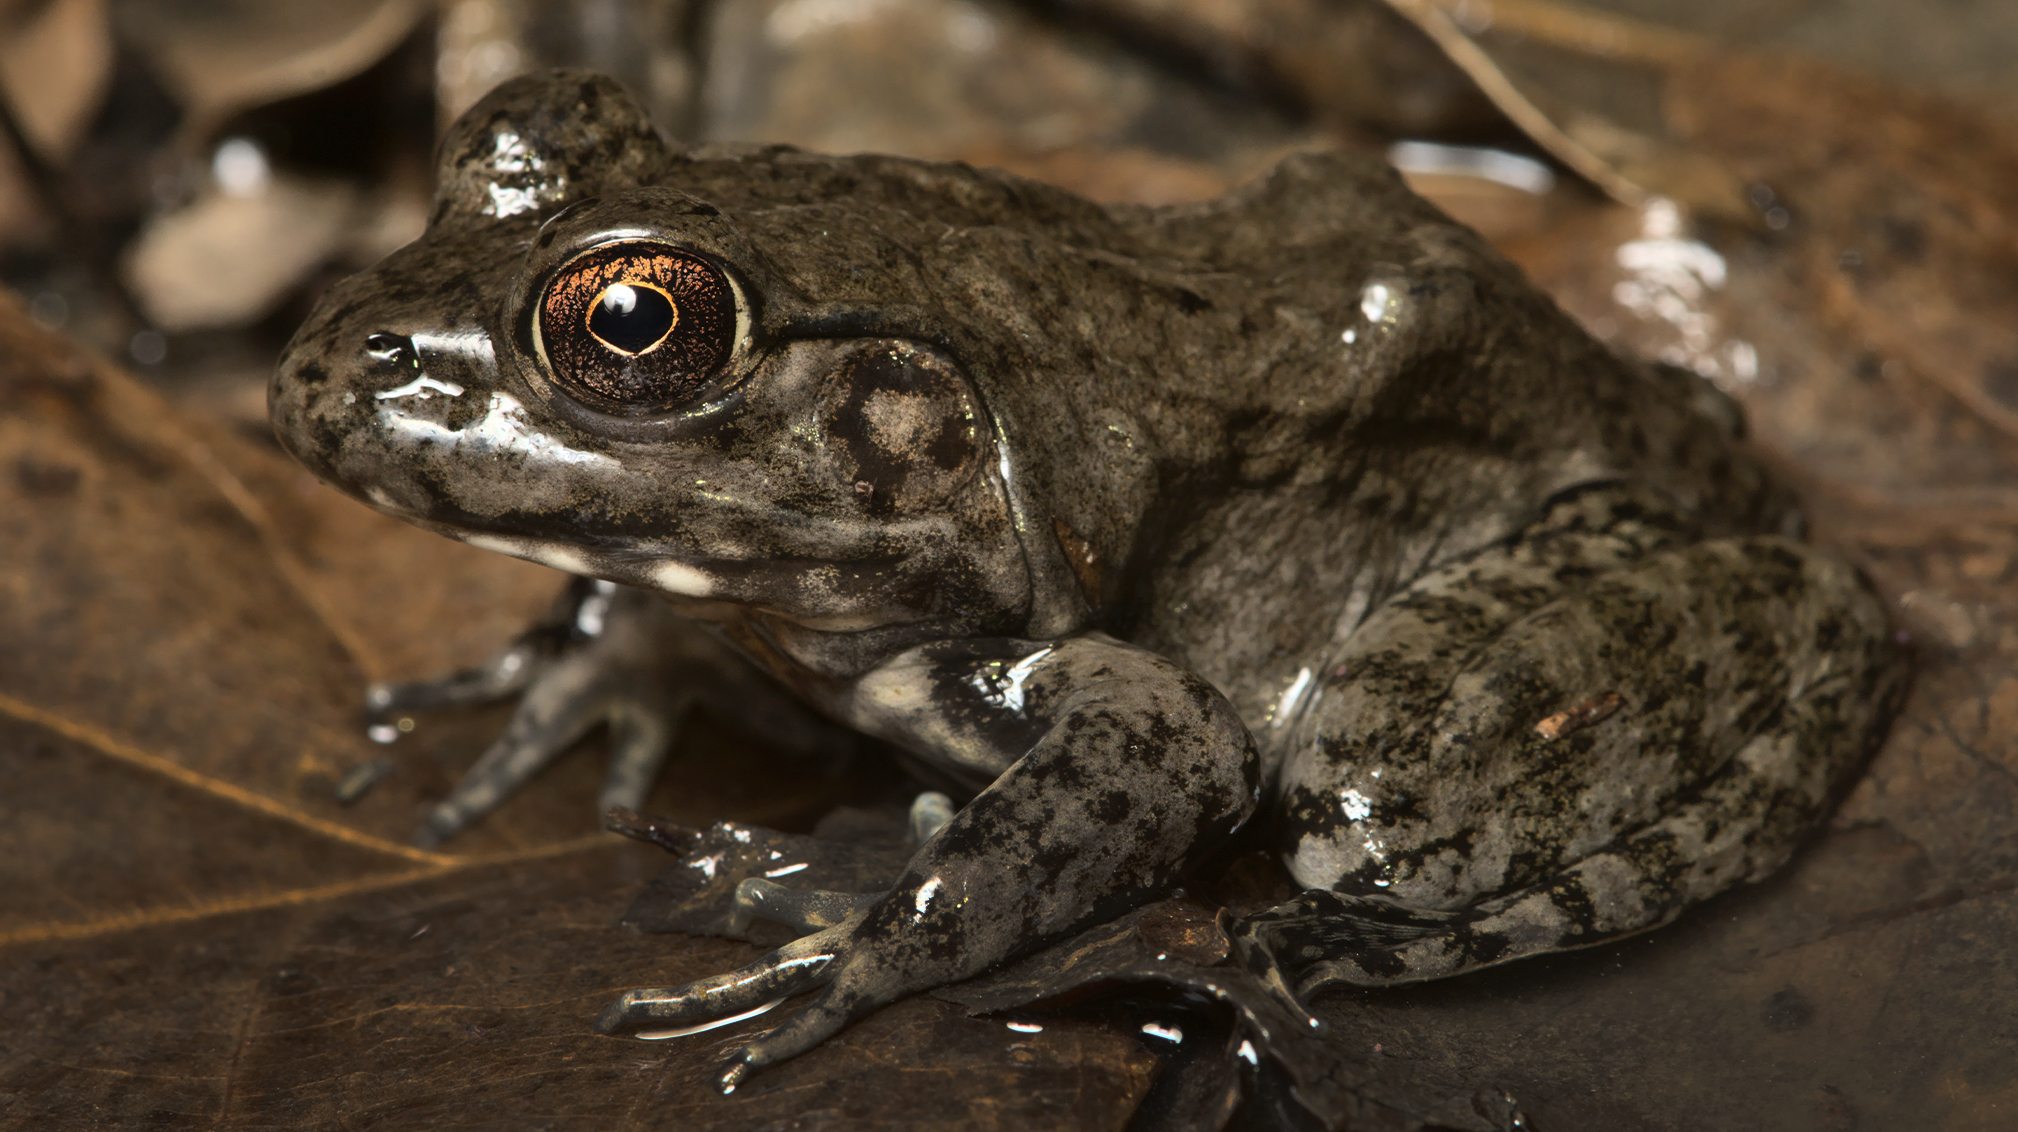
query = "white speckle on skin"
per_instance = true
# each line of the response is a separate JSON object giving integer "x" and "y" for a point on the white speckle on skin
{"x": 592, "y": 615}
{"x": 1319, "y": 861}
{"x": 498, "y": 544}
{"x": 1357, "y": 806}
{"x": 559, "y": 557}
{"x": 680, "y": 578}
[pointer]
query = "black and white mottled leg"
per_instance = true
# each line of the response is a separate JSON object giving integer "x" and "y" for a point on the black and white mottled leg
{"x": 1525, "y": 755}
{"x": 610, "y": 655}
{"x": 1743, "y": 826}
{"x": 1138, "y": 769}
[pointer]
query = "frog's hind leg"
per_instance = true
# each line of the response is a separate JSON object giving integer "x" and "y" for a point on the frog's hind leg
{"x": 1741, "y": 827}
{"x": 1581, "y": 771}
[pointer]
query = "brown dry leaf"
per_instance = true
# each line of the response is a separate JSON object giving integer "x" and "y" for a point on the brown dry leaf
{"x": 1354, "y": 64}
{"x": 55, "y": 62}
{"x": 1960, "y": 50}
{"x": 221, "y": 57}
{"x": 227, "y": 259}
{"x": 1885, "y": 216}
{"x": 1587, "y": 88}
{"x": 992, "y": 84}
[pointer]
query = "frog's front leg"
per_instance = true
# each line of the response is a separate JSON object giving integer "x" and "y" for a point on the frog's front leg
{"x": 1118, "y": 770}
{"x": 605, "y": 654}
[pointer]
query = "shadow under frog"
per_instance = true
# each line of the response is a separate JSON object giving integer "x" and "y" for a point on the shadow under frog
{"x": 1296, "y": 515}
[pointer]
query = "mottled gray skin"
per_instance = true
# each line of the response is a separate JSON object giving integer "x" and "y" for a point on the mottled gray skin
{"x": 1298, "y": 508}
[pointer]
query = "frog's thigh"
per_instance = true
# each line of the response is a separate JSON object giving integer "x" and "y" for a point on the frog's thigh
{"x": 1747, "y": 675}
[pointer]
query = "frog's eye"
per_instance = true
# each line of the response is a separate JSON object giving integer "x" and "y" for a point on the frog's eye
{"x": 637, "y": 326}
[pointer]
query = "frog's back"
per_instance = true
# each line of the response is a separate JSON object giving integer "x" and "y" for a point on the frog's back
{"x": 1309, "y": 390}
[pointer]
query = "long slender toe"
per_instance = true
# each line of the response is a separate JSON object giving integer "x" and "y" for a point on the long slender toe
{"x": 639, "y": 739}
{"x": 795, "y": 968}
{"x": 799, "y": 1033}
{"x": 732, "y": 1075}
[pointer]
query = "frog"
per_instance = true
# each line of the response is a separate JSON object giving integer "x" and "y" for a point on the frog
{"x": 1294, "y": 519}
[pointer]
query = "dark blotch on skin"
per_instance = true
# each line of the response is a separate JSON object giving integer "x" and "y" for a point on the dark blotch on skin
{"x": 1112, "y": 808}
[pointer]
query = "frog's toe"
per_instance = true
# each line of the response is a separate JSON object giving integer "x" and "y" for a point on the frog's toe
{"x": 640, "y": 736}
{"x": 804, "y": 910}
{"x": 534, "y": 739}
{"x": 793, "y": 969}
{"x": 820, "y": 1020}
{"x": 505, "y": 673}
{"x": 509, "y": 763}
{"x": 570, "y": 697}
{"x": 930, "y": 811}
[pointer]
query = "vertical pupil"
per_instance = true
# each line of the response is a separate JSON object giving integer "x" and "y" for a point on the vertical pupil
{"x": 631, "y": 319}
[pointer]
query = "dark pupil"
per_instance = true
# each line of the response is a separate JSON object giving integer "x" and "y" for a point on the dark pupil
{"x": 631, "y": 319}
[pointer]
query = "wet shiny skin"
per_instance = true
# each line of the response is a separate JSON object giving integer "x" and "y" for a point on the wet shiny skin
{"x": 1289, "y": 516}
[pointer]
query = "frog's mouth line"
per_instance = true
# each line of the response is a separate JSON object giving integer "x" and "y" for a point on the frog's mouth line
{"x": 709, "y": 582}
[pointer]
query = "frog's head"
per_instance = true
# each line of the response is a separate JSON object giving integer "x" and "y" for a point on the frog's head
{"x": 583, "y": 365}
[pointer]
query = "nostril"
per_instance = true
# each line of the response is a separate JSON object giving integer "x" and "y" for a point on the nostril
{"x": 391, "y": 350}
